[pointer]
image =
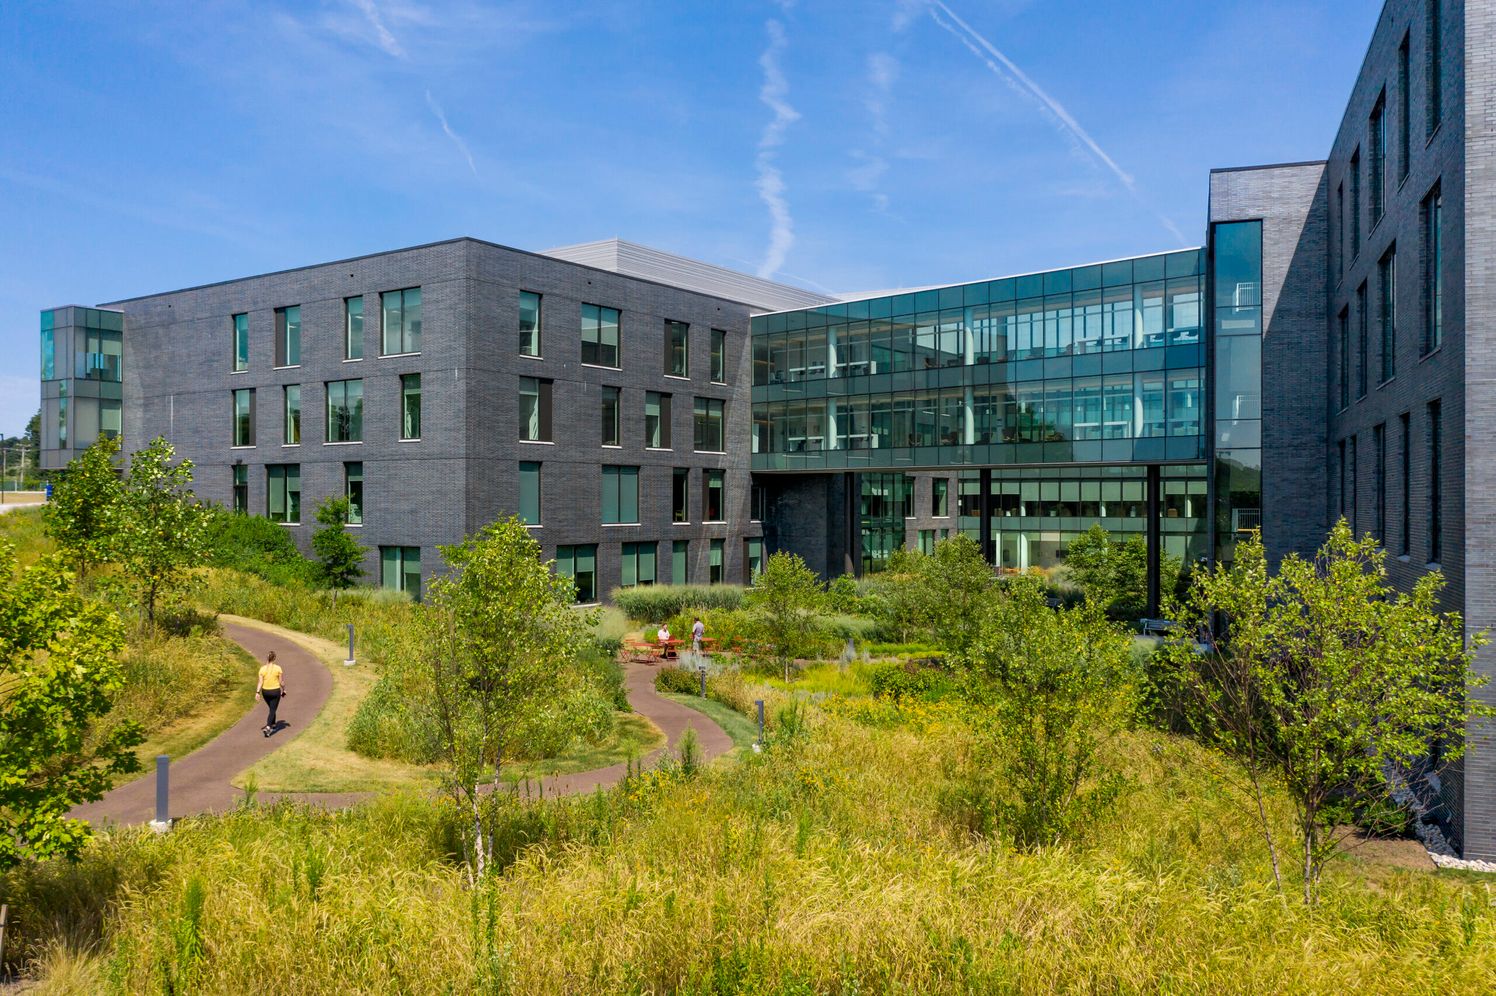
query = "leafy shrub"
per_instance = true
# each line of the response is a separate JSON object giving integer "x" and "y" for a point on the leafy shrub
{"x": 906, "y": 679}
{"x": 609, "y": 628}
{"x": 843, "y": 596}
{"x": 677, "y": 681}
{"x": 843, "y": 627}
{"x": 255, "y": 545}
{"x": 651, "y": 603}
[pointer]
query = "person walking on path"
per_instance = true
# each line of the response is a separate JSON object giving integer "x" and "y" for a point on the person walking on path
{"x": 698, "y": 632}
{"x": 269, "y": 689}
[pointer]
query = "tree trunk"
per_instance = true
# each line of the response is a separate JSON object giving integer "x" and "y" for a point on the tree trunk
{"x": 1267, "y": 832}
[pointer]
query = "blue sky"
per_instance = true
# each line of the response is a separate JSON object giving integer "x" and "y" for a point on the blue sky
{"x": 839, "y": 145}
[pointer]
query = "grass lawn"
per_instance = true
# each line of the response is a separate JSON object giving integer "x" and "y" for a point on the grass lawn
{"x": 319, "y": 760}
{"x": 742, "y": 729}
{"x": 215, "y": 715}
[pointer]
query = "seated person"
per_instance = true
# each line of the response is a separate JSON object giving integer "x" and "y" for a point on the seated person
{"x": 663, "y": 635}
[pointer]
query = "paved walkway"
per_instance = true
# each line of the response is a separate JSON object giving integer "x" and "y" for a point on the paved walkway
{"x": 200, "y": 782}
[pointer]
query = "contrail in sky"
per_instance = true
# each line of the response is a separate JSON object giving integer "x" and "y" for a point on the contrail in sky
{"x": 774, "y": 93}
{"x": 1006, "y": 70}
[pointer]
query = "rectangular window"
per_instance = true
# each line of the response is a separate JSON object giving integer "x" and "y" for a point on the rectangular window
{"x": 907, "y": 498}
{"x": 241, "y": 489}
{"x": 1344, "y": 493}
{"x": 719, "y": 356}
{"x": 1355, "y": 203}
{"x": 620, "y": 495}
{"x": 1339, "y": 226}
{"x": 1362, "y": 343}
{"x": 1405, "y": 542}
{"x": 679, "y": 557}
{"x": 1404, "y": 112}
{"x": 291, "y": 435}
{"x": 345, "y": 411}
{"x": 638, "y": 566}
{"x": 400, "y": 569}
{"x": 1345, "y": 357}
{"x": 529, "y": 493}
{"x": 534, "y": 409}
{"x": 600, "y": 335}
{"x": 1377, "y": 128}
{"x": 283, "y": 492}
{"x": 402, "y": 320}
{"x": 712, "y": 503}
{"x": 1355, "y": 453}
{"x": 758, "y": 503}
{"x": 677, "y": 342}
{"x": 715, "y": 565}
{"x": 353, "y": 489}
{"x": 1435, "y": 484}
{"x": 241, "y": 342}
{"x": 611, "y": 433}
{"x": 288, "y": 336}
{"x": 1387, "y": 288}
{"x": 753, "y": 558}
{"x": 940, "y": 498}
{"x": 927, "y": 541}
{"x": 656, "y": 420}
{"x": 529, "y": 323}
{"x": 580, "y": 564}
{"x": 709, "y": 415}
{"x": 1433, "y": 271}
{"x": 410, "y": 406}
{"x": 1435, "y": 110}
{"x": 244, "y": 417}
{"x": 353, "y": 328}
{"x": 680, "y": 498}
{"x": 1379, "y": 481}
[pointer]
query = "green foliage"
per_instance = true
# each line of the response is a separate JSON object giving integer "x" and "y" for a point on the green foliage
{"x": 896, "y": 597}
{"x": 957, "y": 584}
{"x": 83, "y": 515}
{"x": 1051, "y": 691}
{"x": 732, "y": 630}
{"x": 907, "y": 679}
{"x": 1323, "y": 675}
{"x": 254, "y": 544}
{"x": 651, "y": 603}
{"x": 1114, "y": 572}
{"x": 501, "y": 642}
{"x": 162, "y": 528}
{"x": 59, "y": 673}
{"x": 677, "y": 681}
{"x": 784, "y": 600}
{"x": 842, "y": 595}
{"x": 25, "y": 529}
{"x": 341, "y": 556}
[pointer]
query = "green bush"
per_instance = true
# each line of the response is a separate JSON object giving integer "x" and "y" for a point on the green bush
{"x": 255, "y": 545}
{"x": 907, "y": 679}
{"x": 842, "y": 595}
{"x": 651, "y": 603}
{"x": 677, "y": 681}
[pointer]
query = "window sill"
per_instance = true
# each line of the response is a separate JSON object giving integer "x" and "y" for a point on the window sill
{"x": 660, "y": 449}
{"x": 395, "y": 356}
{"x": 1432, "y": 565}
{"x": 290, "y": 446}
{"x": 600, "y": 366}
{"x": 245, "y": 446}
{"x": 717, "y": 383}
{"x": 684, "y": 377}
{"x": 1404, "y": 558}
{"x": 1384, "y": 383}
{"x": 1434, "y": 134}
{"x": 1432, "y": 353}
{"x": 288, "y": 366}
{"x": 714, "y": 452}
{"x": 680, "y": 523}
{"x": 344, "y": 442}
{"x": 607, "y": 525}
{"x": 714, "y": 522}
{"x": 533, "y": 525}
{"x": 353, "y": 525}
{"x": 412, "y": 439}
{"x": 353, "y": 359}
{"x": 233, "y": 372}
{"x": 539, "y": 442}
{"x": 286, "y": 523}
{"x": 530, "y": 356}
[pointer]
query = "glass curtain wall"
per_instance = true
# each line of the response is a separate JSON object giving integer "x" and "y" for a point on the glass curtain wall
{"x": 1237, "y": 278}
{"x": 1099, "y": 363}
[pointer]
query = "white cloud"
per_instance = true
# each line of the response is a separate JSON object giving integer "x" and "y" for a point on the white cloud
{"x": 771, "y": 189}
{"x": 1006, "y": 70}
{"x": 382, "y": 35}
{"x": 456, "y": 138}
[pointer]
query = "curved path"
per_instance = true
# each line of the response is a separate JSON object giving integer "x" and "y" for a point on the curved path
{"x": 200, "y": 782}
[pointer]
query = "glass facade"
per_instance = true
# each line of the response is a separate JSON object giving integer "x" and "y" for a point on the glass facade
{"x": 1095, "y": 364}
{"x": 400, "y": 569}
{"x": 82, "y": 375}
{"x": 402, "y": 321}
{"x": 1237, "y": 278}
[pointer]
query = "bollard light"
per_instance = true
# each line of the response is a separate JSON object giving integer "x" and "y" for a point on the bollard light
{"x": 350, "y": 661}
{"x": 162, "y": 822}
{"x": 760, "y": 742}
{"x": 701, "y": 670}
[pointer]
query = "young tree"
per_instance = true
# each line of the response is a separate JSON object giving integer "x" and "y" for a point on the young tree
{"x": 1323, "y": 676}
{"x": 341, "y": 555}
{"x": 1114, "y": 571}
{"x": 83, "y": 516}
{"x": 59, "y": 671}
{"x": 162, "y": 529}
{"x": 503, "y": 644}
{"x": 958, "y": 587}
{"x": 784, "y": 601}
{"x": 1051, "y": 689}
{"x": 898, "y": 595}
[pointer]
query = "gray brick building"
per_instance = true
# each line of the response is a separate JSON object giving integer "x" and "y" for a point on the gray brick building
{"x": 1322, "y": 354}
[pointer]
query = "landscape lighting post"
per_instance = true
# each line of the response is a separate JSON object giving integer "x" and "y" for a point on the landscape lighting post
{"x": 162, "y": 822}
{"x": 349, "y": 661}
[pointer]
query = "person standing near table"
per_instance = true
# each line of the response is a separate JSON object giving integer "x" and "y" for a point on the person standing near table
{"x": 270, "y": 687}
{"x": 698, "y": 633}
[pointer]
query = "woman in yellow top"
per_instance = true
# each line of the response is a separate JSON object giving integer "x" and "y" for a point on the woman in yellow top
{"x": 270, "y": 688}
